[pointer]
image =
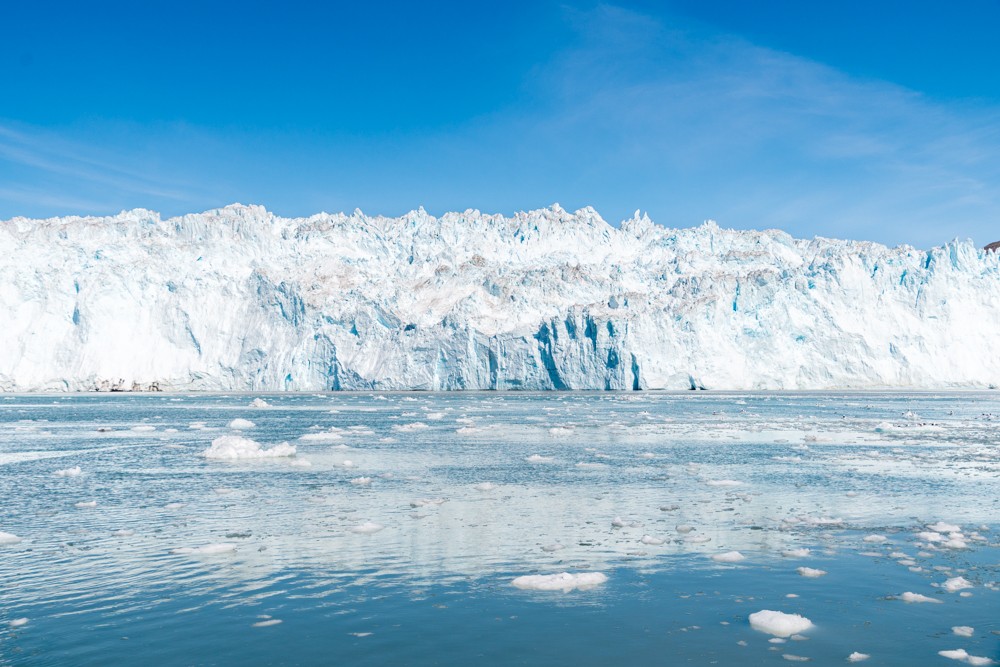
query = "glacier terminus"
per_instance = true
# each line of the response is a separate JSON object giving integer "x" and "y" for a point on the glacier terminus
{"x": 241, "y": 299}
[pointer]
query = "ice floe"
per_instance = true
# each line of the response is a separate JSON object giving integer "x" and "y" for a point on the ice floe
{"x": 367, "y": 528}
{"x": 234, "y": 447}
{"x": 207, "y": 550}
{"x": 956, "y": 584}
{"x": 729, "y": 557}
{"x": 9, "y": 538}
{"x": 779, "y": 623}
{"x": 963, "y": 630}
{"x": 241, "y": 424}
{"x": 909, "y": 597}
{"x": 810, "y": 572}
{"x": 857, "y": 657}
{"x": 563, "y": 581}
{"x": 75, "y": 471}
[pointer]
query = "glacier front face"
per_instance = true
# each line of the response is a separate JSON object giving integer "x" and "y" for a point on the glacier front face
{"x": 241, "y": 299}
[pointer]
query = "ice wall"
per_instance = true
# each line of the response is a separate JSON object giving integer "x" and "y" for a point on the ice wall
{"x": 241, "y": 299}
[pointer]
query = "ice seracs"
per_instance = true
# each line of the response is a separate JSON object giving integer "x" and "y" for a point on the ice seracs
{"x": 476, "y": 301}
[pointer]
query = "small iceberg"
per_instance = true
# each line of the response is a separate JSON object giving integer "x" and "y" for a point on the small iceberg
{"x": 729, "y": 557}
{"x": 234, "y": 447}
{"x": 241, "y": 424}
{"x": 778, "y": 623}
{"x": 563, "y": 581}
{"x": 69, "y": 472}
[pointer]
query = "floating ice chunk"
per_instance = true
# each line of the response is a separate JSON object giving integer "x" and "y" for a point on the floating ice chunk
{"x": 564, "y": 581}
{"x": 423, "y": 502}
{"x": 86, "y": 504}
{"x": 697, "y": 539}
{"x": 18, "y": 622}
{"x": 69, "y": 472}
{"x": 618, "y": 522}
{"x": 560, "y": 431}
{"x": 553, "y": 547}
{"x": 8, "y": 538}
{"x": 259, "y": 403}
{"x": 962, "y": 655}
{"x": 405, "y": 428}
{"x": 876, "y": 539}
{"x": 648, "y": 455}
{"x": 917, "y": 597}
{"x": 207, "y": 550}
{"x": 124, "y": 532}
{"x": 795, "y": 553}
{"x": 538, "y": 458}
{"x": 322, "y": 436}
{"x": 468, "y": 430}
{"x": 928, "y": 536}
{"x": 485, "y": 486}
{"x": 942, "y": 527}
{"x": 810, "y": 572}
{"x": 174, "y": 506}
{"x": 723, "y": 483}
{"x": 955, "y": 542}
{"x": 268, "y": 623}
{"x": 234, "y": 447}
{"x": 795, "y": 658}
{"x": 241, "y": 424}
{"x": 778, "y": 623}
{"x": 361, "y": 481}
{"x": 435, "y": 416}
{"x": 956, "y": 584}
{"x": 590, "y": 464}
{"x": 729, "y": 557}
{"x": 367, "y": 528}
{"x": 963, "y": 630}
{"x": 143, "y": 428}
{"x": 300, "y": 463}
{"x": 654, "y": 541}
{"x": 857, "y": 657}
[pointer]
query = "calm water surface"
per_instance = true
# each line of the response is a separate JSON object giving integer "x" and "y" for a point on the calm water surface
{"x": 393, "y": 534}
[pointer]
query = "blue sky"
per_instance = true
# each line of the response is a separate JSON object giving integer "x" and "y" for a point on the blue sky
{"x": 852, "y": 119}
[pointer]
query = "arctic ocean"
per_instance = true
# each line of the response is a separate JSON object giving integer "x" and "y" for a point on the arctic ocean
{"x": 497, "y": 528}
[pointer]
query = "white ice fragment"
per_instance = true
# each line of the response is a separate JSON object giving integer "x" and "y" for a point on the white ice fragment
{"x": 564, "y": 581}
{"x": 174, "y": 506}
{"x": 18, "y": 622}
{"x": 857, "y": 657}
{"x": 143, "y": 428}
{"x": 963, "y": 630}
{"x": 795, "y": 658}
{"x": 267, "y": 623}
{"x": 560, "y": 431}
{"x": 361, "y": 481}
{"x": 553, "y": 547}
{"x": 538, "y": 458}
{"x": 810, "y": 572}
{"x": 69, "y": 472}
{"x": 235, "y": 447}
{"x": 654, "y": 541}
{"x": 956, "y": 584}
{"x": 684, "y": 529}
{"x": 85, "y": 504}
{"x": 207, "y": 550}
{"x": 241, "y": 424}
{"x": 942, "y": 527}
{"x": 485, "y": 486}
{"x": 415, "y": 426}
{"x": 876, "y": 539}
{"x": 259, "y": 403}
{"x": 8, "y": 538}
{"x": 367, "y": 528}
{"x": 778, "y": 623}
{"x": 124, "y": 532}
{"x": 795, "y": 553}
{"x": 917, "y": 597}
{"x": 322, "y": 436}
{"x": 723, "y": 483}
{"x": 729, "y": 557}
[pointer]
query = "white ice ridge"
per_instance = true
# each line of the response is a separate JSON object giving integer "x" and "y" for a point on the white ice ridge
{"x": 241, "y": 299}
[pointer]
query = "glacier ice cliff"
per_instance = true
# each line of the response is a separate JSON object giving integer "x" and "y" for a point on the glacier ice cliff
{"x": 241, "y": 299}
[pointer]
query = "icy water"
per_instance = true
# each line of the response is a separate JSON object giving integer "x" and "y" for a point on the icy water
{"x": 393, "y": 535}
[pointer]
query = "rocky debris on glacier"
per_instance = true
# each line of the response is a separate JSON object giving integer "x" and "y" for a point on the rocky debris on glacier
{"x": 241, "y": 299}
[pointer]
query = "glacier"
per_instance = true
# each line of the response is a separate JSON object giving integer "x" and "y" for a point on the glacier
{"x": 239, "y": 298}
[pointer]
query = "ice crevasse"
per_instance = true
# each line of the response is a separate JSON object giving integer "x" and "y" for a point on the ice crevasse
{"x": 241, "y": 299}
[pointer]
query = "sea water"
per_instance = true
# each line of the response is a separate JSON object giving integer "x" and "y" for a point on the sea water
{"x": 499, "y": 528}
